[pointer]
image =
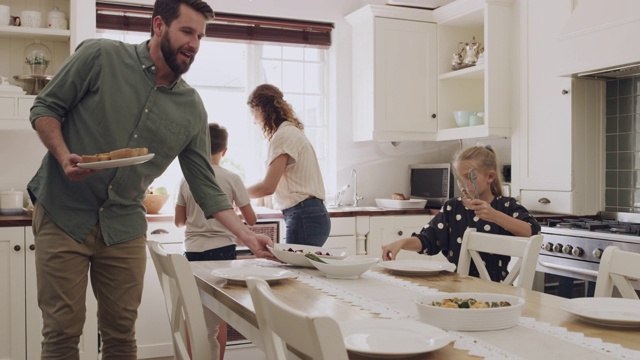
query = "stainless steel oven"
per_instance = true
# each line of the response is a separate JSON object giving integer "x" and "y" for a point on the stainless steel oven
{"x": 572, "y": 248}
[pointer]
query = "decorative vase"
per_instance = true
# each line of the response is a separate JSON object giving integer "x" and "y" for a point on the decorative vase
{"x": 37, "y": 58}
{"x": 38, "y": 69}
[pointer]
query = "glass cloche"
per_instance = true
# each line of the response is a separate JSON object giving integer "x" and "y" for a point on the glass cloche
{"x": 37, "y": 58}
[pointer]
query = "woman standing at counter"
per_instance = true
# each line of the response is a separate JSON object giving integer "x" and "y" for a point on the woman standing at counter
{"x": 293, "y": 173}
{"x": 481, "y": 207}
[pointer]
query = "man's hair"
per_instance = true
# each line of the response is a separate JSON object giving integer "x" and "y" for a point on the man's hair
{"x": 169, "y": 10}
{"x": 219, "y": 136}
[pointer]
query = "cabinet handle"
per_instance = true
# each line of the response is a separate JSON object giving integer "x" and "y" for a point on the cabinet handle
{"x": 565, "y": 91}
{"x": 433, "y": 116}
{"x": 400, "y": 233}
{"x": 32, "y": 247}
{"x": 17, "y": 248}
{"x": 544, "y": 201}
{"x": 159, "y": 231}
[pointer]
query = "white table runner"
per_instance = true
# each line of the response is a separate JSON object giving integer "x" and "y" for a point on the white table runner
{"x": 392, "y": 297}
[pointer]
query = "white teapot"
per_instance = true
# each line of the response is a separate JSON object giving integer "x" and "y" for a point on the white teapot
{"x": 471, "y": 52}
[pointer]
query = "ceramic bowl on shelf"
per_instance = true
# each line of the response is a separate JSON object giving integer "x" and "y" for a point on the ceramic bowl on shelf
{"x": 462, "y": 117}
{"x": 344, "y": 269}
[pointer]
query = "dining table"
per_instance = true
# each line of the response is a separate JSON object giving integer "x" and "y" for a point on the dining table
{"x": 544, "y": 330}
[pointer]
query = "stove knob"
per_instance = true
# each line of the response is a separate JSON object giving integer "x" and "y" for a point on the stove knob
{"x": 557, "y": 247}
{"x": 598, "y": 253}
{"x": 548, "y": 246}
{"x": 577, "y": 251}
{"x": 567, "y": 249}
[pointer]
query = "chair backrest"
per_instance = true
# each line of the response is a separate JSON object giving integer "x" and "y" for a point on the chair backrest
{"x": 616, "y": 268}
{"x": 316, "y": 337}
{"x": 183, "y": 304}
{"x": 524, "y": 249}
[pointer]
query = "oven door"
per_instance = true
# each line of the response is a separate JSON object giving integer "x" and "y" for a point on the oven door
{"x": 576, "y": 269}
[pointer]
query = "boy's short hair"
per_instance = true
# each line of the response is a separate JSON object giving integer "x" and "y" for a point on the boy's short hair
{"x": 219, "y": 136}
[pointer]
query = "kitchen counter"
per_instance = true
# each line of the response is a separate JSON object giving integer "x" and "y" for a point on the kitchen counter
{"x": 262, "y": 214}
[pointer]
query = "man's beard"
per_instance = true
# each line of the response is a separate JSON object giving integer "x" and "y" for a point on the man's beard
{"x": 171, "y": 56}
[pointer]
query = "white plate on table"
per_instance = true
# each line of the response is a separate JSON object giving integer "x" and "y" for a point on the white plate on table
{"x": 605, "y": 311}
{"x": 116, "y": 163}
{"x": 387, "y": 338}
{"x": 416, "y": 267}
{"x": 240, "y": 274}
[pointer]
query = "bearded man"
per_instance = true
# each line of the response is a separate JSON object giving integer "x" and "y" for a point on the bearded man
{"x": 90, "y": 224}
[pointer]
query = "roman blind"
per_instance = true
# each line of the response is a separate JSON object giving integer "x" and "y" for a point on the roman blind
{"x": 251, "y": 28}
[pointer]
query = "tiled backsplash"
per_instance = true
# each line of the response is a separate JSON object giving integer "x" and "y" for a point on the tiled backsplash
{"x": 622, "y": 181}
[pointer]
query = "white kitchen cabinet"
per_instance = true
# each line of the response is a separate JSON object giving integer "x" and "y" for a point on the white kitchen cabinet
{"x": 393, "y": 74}
{"x": 560, "y": 134}
{"x": 387, "y": 229}
{"x": 14, "y": 109}
{"x": 343, "y": 234}
{"x": 20, "y": 317}
{"x": 484, "y": 87}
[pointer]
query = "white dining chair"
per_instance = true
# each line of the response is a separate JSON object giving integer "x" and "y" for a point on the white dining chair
{"x": 314, "y": 337}
{"x": 524, "y": 250}
{"x": 617, "y": 268}
{"x": 183, "y": 304}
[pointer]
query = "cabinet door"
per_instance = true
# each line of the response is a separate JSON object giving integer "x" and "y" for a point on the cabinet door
{"x": 386, "y": 229}
{"x": 12, "y": 293}
{"x": 546, "y": 150}
{"x": 405, "y": 77}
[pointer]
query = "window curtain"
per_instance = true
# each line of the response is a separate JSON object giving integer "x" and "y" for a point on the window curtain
{"x": 224, "y": 25}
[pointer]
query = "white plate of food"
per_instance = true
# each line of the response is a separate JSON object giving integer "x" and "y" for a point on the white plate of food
{"x": 416, "y": 267}
{"x": 116, "y": 163}
{"x": 240, "y": 274}
{"x": 470, "y": 311}
{"x": 294, "y": 254}
{"x": 605, "y": 311}
{"x": 390, "y": 338}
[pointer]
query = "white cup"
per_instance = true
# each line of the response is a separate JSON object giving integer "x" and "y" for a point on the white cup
{"x": 5, "y": 15}
{"x": 31, "y": 19}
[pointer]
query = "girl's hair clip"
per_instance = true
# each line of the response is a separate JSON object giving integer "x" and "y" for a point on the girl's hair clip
{"x": 488, "y": 147}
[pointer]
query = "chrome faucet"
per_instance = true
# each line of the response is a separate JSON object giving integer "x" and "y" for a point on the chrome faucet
{"x": 356, "y": 197}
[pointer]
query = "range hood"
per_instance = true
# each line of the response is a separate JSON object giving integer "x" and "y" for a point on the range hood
{"x": 600, "y": 40}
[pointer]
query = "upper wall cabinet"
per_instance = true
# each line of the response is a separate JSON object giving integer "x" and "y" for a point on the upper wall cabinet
{"x": 485, "y": 87}
{"x": 394, "y": 74}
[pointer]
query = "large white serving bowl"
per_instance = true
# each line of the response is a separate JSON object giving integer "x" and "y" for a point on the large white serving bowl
{"x": 297, "y": 256}
{"x": 345, "y": 269}
{"x": 462, "y": 117}
{"x": 470, "y": 319}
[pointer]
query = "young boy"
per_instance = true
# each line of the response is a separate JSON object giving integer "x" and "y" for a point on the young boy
{"x": 208, "y": 239}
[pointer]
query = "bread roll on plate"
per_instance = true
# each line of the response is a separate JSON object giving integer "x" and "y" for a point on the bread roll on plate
{"x": 399, "y": 196}
{"x": 123, "y": 153}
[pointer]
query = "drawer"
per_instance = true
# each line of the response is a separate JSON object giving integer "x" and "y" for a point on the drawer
{"x": 24, "y": 106}
{"x": 554, "y": 202}
{"x": 343, "y": 226}
{"x": 165, "y": 232}
{"x": 8, "y": 107}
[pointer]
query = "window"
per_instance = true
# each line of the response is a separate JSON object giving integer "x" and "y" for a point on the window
{"x": 225, "y": 72}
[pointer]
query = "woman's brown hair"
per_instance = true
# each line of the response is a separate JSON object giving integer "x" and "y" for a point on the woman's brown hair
{"x": 484, "y": 159}
{"x": 269, "y": 100}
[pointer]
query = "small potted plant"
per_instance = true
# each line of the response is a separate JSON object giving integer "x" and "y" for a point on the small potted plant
{"x": 37, "y": 63}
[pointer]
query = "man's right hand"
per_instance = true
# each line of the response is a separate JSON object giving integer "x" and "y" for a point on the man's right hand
{"x": 71, "y": 169}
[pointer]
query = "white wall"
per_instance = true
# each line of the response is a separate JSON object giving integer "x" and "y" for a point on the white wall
{"x": 382, "y": 167}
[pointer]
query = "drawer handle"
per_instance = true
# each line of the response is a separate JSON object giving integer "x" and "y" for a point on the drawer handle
{"x": 159, "y": 231}
{"x": 17, "y": 248}
{"x": 32, "y": 247}
{"x": 544, "y": 201}
{"x": 565, "y": 91}
{"x": 400, "y": 233}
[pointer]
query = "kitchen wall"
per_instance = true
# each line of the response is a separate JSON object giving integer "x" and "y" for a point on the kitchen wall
{"x": 622, "y": 181}
{"x": 382, "y": 167}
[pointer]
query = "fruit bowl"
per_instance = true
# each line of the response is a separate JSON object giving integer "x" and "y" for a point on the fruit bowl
{"x": 154, "y": 202}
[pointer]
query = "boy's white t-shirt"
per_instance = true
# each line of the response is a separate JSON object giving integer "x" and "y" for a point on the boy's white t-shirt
{"x": 302, "y": 177}
{"x": 204, "y": 234}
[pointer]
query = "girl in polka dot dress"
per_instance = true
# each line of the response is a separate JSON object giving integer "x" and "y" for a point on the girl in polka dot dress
{"x": 481, "y": 207}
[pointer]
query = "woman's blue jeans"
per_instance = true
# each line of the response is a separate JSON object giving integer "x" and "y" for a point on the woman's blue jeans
{"x": 307, "y": 223}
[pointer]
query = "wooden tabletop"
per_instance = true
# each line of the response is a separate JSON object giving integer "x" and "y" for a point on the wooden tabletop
{"x": 542, "y": 307}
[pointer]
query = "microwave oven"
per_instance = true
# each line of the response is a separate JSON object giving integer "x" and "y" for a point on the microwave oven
{"x": 433, "y": 182}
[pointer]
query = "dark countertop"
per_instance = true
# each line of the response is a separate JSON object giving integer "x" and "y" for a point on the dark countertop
{"x": 262, "y": 214}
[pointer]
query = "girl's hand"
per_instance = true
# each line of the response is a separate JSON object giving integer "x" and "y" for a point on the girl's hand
{"x": 482, "y": 209}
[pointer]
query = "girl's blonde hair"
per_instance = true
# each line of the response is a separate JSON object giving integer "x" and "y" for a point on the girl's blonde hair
{"x": 275, "y": 110}
{"x": 484, "y": 159}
